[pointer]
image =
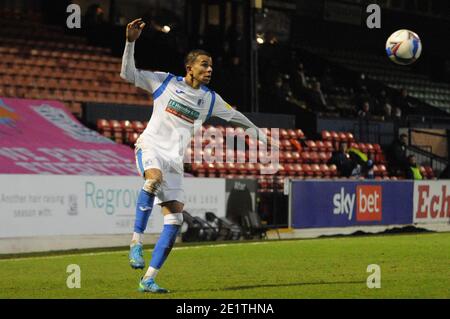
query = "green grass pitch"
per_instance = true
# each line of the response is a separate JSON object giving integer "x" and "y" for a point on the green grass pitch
{"x": 412, "y": 266}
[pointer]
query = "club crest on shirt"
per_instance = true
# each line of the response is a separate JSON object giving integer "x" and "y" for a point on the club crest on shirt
{"x": 200, "y": 102}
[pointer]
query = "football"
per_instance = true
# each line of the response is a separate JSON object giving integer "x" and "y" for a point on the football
{"x": 403, "y": 47}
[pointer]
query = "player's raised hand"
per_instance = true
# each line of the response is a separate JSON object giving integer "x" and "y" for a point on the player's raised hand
{"x": 134, "y": 29}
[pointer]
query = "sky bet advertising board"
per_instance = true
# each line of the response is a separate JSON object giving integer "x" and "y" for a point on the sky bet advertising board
{"x": 351, "y": 203}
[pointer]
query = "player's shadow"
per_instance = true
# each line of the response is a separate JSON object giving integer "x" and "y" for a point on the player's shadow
{"x": 292, "y": 284}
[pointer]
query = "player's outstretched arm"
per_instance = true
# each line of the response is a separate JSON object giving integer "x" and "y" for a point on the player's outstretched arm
{"x": 241, "y": 120}
{"x": 224, "y": 111}
{"x": 133, "y": 31}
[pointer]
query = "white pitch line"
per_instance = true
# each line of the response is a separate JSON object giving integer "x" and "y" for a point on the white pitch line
{"x": 125, "y": 251}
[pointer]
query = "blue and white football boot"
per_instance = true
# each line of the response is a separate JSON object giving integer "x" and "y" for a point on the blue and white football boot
{"x": 150, "y": 285}
{"x": 136, "y": 256}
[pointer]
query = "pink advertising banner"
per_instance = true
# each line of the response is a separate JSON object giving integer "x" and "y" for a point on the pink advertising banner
{"x": 43, "y": 137}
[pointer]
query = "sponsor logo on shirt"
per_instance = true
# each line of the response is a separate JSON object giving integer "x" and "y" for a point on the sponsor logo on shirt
{"x": 182, "y": 111}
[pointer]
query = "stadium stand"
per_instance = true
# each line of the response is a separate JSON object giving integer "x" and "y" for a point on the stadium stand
{"x": 420, "y": 85}
{"x": 38, "y": 61}
{"x": 310, "y": 162}
{"x": 34, "y": 65}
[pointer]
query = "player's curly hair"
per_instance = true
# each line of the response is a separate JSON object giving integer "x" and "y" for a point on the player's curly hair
{"x": 192, "y": 56}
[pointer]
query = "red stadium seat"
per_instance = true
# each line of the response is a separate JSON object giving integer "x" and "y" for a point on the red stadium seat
{"x": 296, "y": 157}
{"x": 137, "y": 126}
{"x": 349, "y": 137}
{"x": 220, "y": 168}
{"x": 323, "y": 157}
{"x": 284, "y": 134}
{"x": 370, "y": 148}
{"x": 251, "y": 168}
{"x": 231, "y": 168}
{"x": 116, "y": 129}
{"x": 300, "y": 134}
{"x": 311, "y": 145}
{"x": 131, "y": 138}
{"x": 314, "y": 157}
{"x": 342, "y": 136}
{"x": 325, "y": 170}
{"x": 316, "y": 170}
{"x": 334, "y": 136}
{"x": 286, "y": 157}
{"x": 292, "y": 134}
{"x": 328, "y": 146}
{"x": 326, "y": 136}
{"x": 307, "y": 169}
{"x": 376, "y": 171}
{"x": 199, "y": 169}
{"x": 104, "y": 127}
{"x": 305, "y": 156}
{"x": 126, "y": 126}
{"x": 298, "y": 168}
{"x": 429, "y": 171}
{"x": 241, "y": 168}
{"x": 380, "y": 170}
{"x": 383, "y": 170}
{"x": 210, "y": 169}
{"x": 281, "y": 170}
{"x": 290, "y": 169}
{"x": 333, "y": 170}
{"x": 320, "y": 146}
{"x": 286, "y": 145}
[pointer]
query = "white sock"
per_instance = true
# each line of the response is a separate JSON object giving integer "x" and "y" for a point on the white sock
{"x": 137, "y": 238}
{"x": 151, "y": 273}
